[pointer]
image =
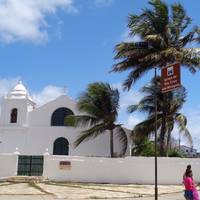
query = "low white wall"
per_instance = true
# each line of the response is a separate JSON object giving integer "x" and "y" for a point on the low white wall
{"x": 8, "y": 165}
{"x": 108, "y": 170}
{"x": 119, "y": 170}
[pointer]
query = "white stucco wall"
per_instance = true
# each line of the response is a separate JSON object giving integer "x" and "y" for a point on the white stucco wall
{"x": 138, "y": 170}
{"x": 22, "y": 112}
{"x": 11, "y": 138}
{"x": 42, "y": 116}
{"x": 35, "y": 141}
{"x": 38, "y": 135}
{"x": 8, "y": 166}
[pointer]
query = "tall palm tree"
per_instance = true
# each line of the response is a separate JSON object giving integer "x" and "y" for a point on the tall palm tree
{"x": 164, "y": 40}
{"x": 168, "y": 106}
{"x": 100, "y": 103}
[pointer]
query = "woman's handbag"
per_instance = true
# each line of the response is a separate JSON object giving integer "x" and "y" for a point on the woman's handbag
{"x": 195, "y": 194}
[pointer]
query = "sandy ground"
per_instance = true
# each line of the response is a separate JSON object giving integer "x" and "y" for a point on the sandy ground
{"x": 52, "y": 190}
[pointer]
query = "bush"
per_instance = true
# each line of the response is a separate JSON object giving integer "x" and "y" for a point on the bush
{"x": 175, "y": 153}
{"x": 144, "y": 147}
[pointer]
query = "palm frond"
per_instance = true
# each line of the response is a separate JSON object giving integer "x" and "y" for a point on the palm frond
{"x": 86, "y": 104}
{"x": 191, "y": 58}
{"x": 81, "y": 120}
{"x": 180, "y": 20}
{"x": 121, "y": 134}
{"x": 146, "y": 127}
{"x": 134, "y": 75}
{"x": 163, "y": 38}
{"x": 145, "y": 105}
{"x": 150, "y": 21}
{"x": 186, "y": 134}
{"x": 100, "y": 100}
{"x": 90, "y": 133}
{"x": 181, "y": 121}
{"x": 132, "y": 108}
{"x": 189, "y": 37}
{"x": 156, "y": 41}
{"x": 131, "y": 49}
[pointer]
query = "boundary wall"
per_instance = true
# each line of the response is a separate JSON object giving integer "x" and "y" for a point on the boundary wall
{"x": 128, "y": 170}
{"x": 138, "y": 170}
{"x": 8, "y": 165}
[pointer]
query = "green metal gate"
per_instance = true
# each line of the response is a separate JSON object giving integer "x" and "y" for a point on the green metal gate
{"x": 30, "y": 165}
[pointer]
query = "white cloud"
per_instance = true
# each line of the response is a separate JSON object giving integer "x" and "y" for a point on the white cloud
{"x": 127, "y": 98}
{"x": 25, "y": 20}
{"x": 103, "y": 3}
{"x": 133, "y": 120}
{"x": 6, "y": 84}
{"x": 49, "y": 93}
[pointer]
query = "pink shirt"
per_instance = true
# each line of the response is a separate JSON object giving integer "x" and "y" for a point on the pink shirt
{"x": 188, "y": 183}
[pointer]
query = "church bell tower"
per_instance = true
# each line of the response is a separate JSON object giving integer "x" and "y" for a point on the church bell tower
{"x": 15, "y": 107}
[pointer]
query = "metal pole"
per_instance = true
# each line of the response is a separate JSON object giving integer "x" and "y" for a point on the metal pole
{"x": 156, "y": 168}
{"x": 179, "y": 143}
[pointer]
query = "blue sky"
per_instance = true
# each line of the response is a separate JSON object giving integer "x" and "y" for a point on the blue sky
{"x": 51, "y": 44}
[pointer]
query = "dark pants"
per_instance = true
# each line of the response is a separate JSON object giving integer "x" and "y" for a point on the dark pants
{"x": 188, "y": 195}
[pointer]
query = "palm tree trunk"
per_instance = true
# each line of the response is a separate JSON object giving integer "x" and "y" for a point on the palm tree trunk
{"x": 162, "y": 135}
{"x": 168, "y": 142}
{"x": 111, "y": 144}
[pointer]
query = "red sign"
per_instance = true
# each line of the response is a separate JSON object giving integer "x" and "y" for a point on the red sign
{"x": 65, "y": 165}
{"x": 170, "y": 77}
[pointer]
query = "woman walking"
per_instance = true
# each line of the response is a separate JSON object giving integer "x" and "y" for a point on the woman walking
{"x": 189, "y": 167}
{"x": 191, "y": 192}
{"x": 189, "y": 185}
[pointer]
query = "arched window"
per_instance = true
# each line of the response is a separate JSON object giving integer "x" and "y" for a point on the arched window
{"x": 58, "y": 116}
{"x": 61, "y": 146}
{"x": 13, "y": 115}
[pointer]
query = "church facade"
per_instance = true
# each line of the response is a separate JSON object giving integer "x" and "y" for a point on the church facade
{"x": 33, "y": 130}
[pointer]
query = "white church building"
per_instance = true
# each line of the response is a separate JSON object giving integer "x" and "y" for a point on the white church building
{"x": 33, "y": 130}
{"x": 35, "y": 142}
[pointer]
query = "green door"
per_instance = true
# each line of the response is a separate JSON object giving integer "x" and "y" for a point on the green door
{"x": 30, "y": 165}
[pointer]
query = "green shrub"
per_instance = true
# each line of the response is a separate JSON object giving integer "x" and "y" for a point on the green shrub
{"x": 144, "y": 147}
{"x": 176, "y": 153}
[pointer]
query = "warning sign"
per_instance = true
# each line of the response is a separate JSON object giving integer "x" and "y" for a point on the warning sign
{"x": 170, "y": 77}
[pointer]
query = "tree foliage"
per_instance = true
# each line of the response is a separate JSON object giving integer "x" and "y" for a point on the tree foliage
{"x": 168, "y": 114}
{"x": 165, "y": 38}
{"x": 143, "y": 147}
{"x": 99, "y": 105}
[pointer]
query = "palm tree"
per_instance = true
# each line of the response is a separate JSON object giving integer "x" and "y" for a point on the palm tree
{"x": 100, "y": 103}
{"x": 168, "y": 106}
{"x": 164, "y": 40}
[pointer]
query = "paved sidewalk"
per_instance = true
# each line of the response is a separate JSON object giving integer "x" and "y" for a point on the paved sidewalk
{"x": 177, "y": 196}
{"x": 25, "y": 197}
{"x": 82, "y": 191}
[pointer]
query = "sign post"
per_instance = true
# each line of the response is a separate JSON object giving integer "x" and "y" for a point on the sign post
{"x": 155, "y": 142}
{"x": 170, "y": 80}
